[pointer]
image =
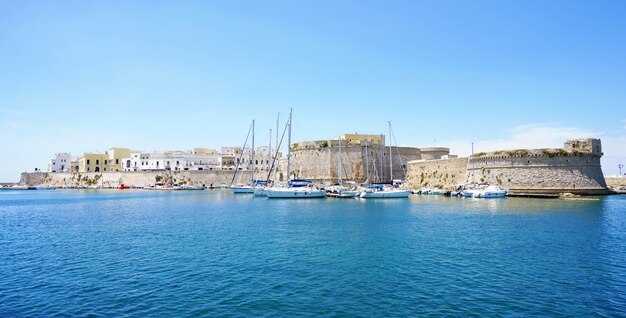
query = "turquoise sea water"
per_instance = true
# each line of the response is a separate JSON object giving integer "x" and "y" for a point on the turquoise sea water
{"x": 210, "y": 253}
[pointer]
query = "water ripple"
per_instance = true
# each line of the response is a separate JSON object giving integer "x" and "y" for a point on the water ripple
{"x": 138, "y": 253}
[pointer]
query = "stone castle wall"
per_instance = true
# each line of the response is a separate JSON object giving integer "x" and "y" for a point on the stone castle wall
{"x": 318, "y": 160}
{"x": 523, "y": 172}
{"x": 442, "y": 173}
{"x": 573, "y": 173}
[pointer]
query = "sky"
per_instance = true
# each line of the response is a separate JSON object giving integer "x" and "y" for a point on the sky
{"x": 85, "y": 76}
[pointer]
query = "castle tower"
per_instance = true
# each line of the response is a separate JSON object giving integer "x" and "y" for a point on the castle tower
{"x": 591, "y": 145}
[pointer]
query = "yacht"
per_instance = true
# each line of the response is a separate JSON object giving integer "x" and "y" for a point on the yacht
{"x": 295, "y": 193}
{"x": 296, "y": 189}
{"x": 245, "y": 188}
{"x": 378, "y": 191}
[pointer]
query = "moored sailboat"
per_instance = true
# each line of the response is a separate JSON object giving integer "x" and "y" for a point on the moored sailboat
{"x": 379, "y": 191}
{"x": 296, "y": 189}
{"x": 246, "y": 188}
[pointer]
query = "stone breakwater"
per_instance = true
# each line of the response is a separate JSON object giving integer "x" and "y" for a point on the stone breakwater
{"x": 137, "y": 179}
{"x": 526, "y": 171}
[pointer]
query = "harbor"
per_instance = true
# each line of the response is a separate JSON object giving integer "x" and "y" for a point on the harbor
{"x": 370, "y": 164}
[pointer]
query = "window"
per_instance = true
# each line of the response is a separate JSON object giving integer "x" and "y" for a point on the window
{"x": 97, "y": 161}
{"x": 117, "y": 161}
{"x": 105, "y": 161}
{"x": 128, "y": 163}
{"x": 87, "y": 169}
{"x": 87, "y": 161}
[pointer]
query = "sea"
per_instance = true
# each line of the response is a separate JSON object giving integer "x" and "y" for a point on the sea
{"x": 139, "y": 253}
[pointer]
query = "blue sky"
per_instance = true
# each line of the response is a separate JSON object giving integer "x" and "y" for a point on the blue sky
{"x": 154, "y": 75}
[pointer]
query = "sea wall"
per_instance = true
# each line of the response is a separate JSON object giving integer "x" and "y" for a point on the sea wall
{"x": 143, "y": 179}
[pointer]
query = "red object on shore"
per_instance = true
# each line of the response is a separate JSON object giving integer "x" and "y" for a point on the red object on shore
{"x": 123, "y": 186}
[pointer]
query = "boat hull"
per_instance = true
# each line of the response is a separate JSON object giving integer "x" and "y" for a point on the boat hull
{"x": 490, "y": 194}
{"x": 385, "y": 195}
{"x": 241, "y": 190}
{"x": 296, "y": 193}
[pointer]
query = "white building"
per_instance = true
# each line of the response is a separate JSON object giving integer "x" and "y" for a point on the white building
{"x": 263, "y": 157}
{"x": 60, "y": 163}
{"x": 171, "y": 160}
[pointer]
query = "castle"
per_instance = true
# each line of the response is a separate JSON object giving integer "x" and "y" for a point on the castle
{"x": 575, "y": 168}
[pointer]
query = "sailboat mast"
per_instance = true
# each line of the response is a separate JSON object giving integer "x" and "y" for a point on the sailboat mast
{"x": 339, "y": 164}
{"x": 269, "y": 152}
{"x": 367, "y": 167}
{"x": 277, "y": 146}
{"x": 289, "y": 146}
{"x": 381, "y": 156}
{"x": 252, "y": 152}
{"x": 390, "y": 155}
{"x": 473, "y": 171}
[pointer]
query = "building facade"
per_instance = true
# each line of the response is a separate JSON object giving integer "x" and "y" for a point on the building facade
{"x": 171, "y": 160}
{"x": 60, "y": 163}
{"x": 93, "y": 162}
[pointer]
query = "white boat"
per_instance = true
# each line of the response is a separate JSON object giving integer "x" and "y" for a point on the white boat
{"x": 296, "y": 189}
{"x": 380, "y": 192}
{"x": 295, "y": 193}
{"x": 260, "y": 191}
{"x": 190, "y": 187}
{"x": 245, "y": 188}
{"x": 242, "y": 189}
{"x": 342, "y": 192}
{"x": 339, "y": 190}
{"x": 490, "y": 192}
{"x": 436, "y": 191}
{"x": 385, "y": 194}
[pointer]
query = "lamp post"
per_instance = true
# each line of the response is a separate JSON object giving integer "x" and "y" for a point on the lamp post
{"x": 620, "y": 166}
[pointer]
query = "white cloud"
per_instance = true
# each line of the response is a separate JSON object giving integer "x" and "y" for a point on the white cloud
{"x": 548, "y": 136}
{"x": 525, "y": 136}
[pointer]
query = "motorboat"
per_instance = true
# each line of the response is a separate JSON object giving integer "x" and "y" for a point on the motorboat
{"x": 436, "y": 191}
{"x": 190, "y": 187}
{"x": 490, "y": 192}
